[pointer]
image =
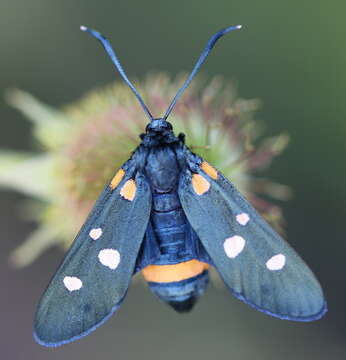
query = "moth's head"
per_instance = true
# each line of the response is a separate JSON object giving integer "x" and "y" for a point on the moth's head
{"x": 158, "y": 132}
{"x": 159, "y": 126}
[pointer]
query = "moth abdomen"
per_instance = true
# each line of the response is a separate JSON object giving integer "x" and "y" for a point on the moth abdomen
{"x": 182, "y": 295}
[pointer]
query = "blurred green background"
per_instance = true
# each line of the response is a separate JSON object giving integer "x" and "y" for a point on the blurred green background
{"x": 291, "y": 55}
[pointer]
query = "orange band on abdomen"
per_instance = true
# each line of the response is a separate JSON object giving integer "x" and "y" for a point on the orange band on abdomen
{"x": 176, "y": 272}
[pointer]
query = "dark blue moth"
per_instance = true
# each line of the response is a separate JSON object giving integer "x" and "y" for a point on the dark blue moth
{"x": 171, "y": 215}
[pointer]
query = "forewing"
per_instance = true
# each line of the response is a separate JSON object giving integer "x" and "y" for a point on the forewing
{"x": 93, "y": 278}
{"x": 256, "y": 264}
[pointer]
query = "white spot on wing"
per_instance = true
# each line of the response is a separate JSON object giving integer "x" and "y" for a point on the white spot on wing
{"x": 233, "y": 246}
{"x": 277, "y": 262}
{"x": 110, "y": 258}
{"x": 243, "y": 218}
{"x": 72, "y": 283}
{"x": 95, "y": 233}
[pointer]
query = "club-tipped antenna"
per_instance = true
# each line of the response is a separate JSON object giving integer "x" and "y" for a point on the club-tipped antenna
{"x": 212, "y": 41}
{"x": 107, "y": 46}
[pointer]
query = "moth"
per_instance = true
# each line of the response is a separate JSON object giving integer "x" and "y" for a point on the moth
{"x": 171, "y": 215}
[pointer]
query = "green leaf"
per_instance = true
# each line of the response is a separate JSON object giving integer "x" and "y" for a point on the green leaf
{"x": 29, "y": 174}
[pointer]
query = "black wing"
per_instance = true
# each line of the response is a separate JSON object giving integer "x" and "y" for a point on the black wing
{"x": 256, "y": 264}
{"x": 92, "y": 280}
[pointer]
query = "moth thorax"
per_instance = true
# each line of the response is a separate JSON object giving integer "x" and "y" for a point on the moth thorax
{"x": 162, "y": 169}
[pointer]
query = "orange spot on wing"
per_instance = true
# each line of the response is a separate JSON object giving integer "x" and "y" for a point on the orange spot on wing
{"x": 128, "y": 191}
{"x": 117, "y": 178}
{"x": 200, "y": 184}
{"x": 208, "y": 169}
{"x": 176, "y": 272}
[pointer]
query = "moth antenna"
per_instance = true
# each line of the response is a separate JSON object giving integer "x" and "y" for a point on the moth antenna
{"x": 107, "y": 46}
{"x": 212, "y": 41}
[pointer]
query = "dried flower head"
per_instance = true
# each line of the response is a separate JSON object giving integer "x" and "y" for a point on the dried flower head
{"x": 82, "y": 144}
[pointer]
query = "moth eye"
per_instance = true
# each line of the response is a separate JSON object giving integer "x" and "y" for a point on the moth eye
{"x": 200, "y": 184}
{"x": 117, "y": 178}
{"x": 128, "y": 191}
{"x": 209, "y": 170}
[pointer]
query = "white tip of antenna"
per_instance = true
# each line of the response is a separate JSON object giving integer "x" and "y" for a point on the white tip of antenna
{"x": 239, "y": 27}
{"x": 83, "y": 28}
